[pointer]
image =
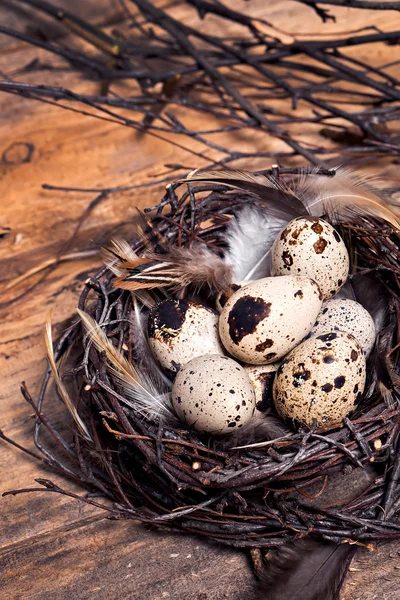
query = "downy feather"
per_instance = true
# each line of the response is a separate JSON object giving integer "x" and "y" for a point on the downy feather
{"x": 250, "y": 236}
{"x": 62, "y": 390}
{"x": 139, "y": 389}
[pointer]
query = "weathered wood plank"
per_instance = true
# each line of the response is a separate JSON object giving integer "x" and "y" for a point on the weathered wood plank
{"x": 71, "y": 549}
{"x": 108, "y": 560}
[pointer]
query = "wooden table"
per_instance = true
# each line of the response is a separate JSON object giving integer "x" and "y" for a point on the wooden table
{"x": 52, "y": 547}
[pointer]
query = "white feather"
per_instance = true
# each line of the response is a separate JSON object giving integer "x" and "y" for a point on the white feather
{"x": 250, "y": 236}
{"x": 140, "y": 391}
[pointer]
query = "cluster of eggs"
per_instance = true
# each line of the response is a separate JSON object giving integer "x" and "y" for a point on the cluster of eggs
{"x": 287, "y": 327}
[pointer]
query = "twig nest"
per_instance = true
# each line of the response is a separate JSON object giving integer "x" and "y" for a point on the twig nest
{"x": 213, "y": 394}
{"x": 346, "y": 315}
{"x": 164, "y": 466}
{"x": 312, "y": 247}
{"x": 321, "y": 380}
{"x": 264, "y": 320}
{"x": 179, "y": 330}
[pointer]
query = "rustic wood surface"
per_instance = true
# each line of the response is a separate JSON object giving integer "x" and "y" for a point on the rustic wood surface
{"x": 52, "y": 547}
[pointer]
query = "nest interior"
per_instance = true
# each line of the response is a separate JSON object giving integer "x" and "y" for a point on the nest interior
{"x": 179, "y": 480}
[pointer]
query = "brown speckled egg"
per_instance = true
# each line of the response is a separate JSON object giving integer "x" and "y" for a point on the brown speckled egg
{"x": 213, "y": 394}
{"x": 312, "y": 247}
{"x": 322, "y": 379}
{"x": 261, "y": 377}
{"x": 179, "y": 330}
{"x": 264, "y": 320}
{"x": 346, "y": 315}
{"x": 224, "y": 296}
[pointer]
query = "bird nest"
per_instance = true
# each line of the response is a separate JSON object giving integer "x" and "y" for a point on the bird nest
{"x": 252, "y": 493}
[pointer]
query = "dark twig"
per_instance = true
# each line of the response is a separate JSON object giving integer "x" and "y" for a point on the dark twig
{"x": 232, "y": 81}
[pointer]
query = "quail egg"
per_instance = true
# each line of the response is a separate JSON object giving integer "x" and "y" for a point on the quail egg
{"x": 311, "y": 247}
{"x": 264, "y": 320}
{"x": 346, "y": 315}
{"x": 179, "y": 330}
{"x": 224, "y": 296}
{"x": 261, "y": 377}
{"x": 322, "y": 379}
{"x": 213, "y": 394}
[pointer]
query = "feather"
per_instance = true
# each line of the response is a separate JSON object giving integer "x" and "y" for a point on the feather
{"x": 250, "y": 236}
{"x": 139, "y": 389}
{"x": 371, "y": 293}
{"x": 305, "y": 569}
{"x": 116, "y": 257}
{"x": 276, "y": 194}
{"x": 145, "y": 358}
{"x": 386, "y": 377}
{"x": 309, "y": 193}
{"x": 345, "y": 191}
{"x": 196, "y": 266}
{"x": 368, "y": 290}
{"x": 146, "y": 297}
{"x": 119, "y": 255}
{"x": 261, "y": 429}
{"x": 62, "y": 390}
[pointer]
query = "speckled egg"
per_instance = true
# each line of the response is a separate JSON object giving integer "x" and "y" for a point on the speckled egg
{"x": 261, "y": 376}
{"x": 346, "y": 315}
{"x": 179, "y": 330}
{"x": 224, "y": 296}
{"x": 213, "y": 394}
{"x": 312, "y": 247}
{"x": 264, "y": 320}
{"x": 322, "y": 379}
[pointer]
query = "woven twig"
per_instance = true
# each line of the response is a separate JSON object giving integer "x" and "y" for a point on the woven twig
{"x": 179, "y": 480}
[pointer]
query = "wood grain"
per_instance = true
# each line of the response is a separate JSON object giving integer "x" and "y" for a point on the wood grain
{"x": 50, "y": 546}
{"x": 106, "y": 560}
